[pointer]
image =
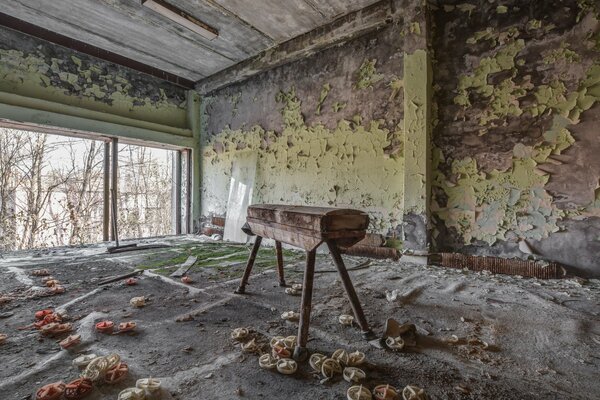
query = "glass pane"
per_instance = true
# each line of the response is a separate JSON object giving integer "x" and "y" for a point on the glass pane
{"x": 145, "y": 192}
{"x": 50, "y": 190}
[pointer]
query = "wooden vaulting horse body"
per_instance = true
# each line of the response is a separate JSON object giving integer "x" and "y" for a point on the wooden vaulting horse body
{"x": 307, "y": 228}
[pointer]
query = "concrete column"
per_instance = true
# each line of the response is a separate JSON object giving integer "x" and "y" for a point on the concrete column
{"x": 194, "y": 124}
{"x": 417, "y": 140}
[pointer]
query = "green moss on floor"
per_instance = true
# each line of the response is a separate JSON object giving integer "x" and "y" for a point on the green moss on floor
{"x": 221, "y": 260}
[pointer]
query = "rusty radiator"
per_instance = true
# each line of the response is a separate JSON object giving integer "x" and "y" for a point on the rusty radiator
{"x": 372, "y": 252}
{"x": 508, "y": 266}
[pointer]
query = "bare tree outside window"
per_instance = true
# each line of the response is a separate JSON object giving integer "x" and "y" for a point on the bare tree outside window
{"x": 51, "y": 191}
{"x": 145, "y": 182}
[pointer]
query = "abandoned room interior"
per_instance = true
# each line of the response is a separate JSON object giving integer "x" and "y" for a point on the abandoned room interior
{"x": 299, "y": 199}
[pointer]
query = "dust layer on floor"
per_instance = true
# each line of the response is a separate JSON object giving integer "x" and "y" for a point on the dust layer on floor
{"x": 542, "y": 337}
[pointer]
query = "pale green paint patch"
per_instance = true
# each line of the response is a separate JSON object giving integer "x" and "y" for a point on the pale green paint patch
{"x": 415, "y": 27}
{"x": 534, "y": 24}
{"x": 503, "y": 97}
{"x": 417, "y": 130}
{"x": 504, "y": 59}
{"x": 338, "y": 106}
{"x": 396, "y": 85}
{"x": 324, "y": 93}
{"x": 554, "y": 97}
{"x": 504, "y": 101}
{"x": 487, "y": 34}
{"x": 491, "y": 206}
{"x": 586, "y": 6}
{"x": 345, "y": 166}
{"x": 501, "y": 9}
{"x": 562, "y": 54}
{"x": 488, "y": 206}
{"x": 367, "y": 75}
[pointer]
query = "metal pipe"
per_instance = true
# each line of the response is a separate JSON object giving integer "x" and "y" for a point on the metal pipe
{"x": 106, "y": 194}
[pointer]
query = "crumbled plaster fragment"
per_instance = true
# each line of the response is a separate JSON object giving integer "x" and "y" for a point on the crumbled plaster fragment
{"x": 571, "y": 105}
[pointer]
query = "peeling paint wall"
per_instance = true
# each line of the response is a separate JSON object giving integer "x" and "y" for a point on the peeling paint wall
{"x": 33, "y": 68}
{"x": 517, "y": 92}
{"x": 328, "y": 131}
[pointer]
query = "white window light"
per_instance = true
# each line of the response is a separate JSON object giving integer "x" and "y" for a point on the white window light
{"x": 176, "y": 15}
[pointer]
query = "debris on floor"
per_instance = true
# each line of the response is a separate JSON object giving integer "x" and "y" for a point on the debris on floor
{"x": 448, "y": 320}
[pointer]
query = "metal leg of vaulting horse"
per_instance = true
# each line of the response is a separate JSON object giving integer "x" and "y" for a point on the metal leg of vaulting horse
{"x": 242, "y": 288}
{"x": 300, "y": 352}
{"x": 279, "y": 252}
{"x": 354, "y": 302}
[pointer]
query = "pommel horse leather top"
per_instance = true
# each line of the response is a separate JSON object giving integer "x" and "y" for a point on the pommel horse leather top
{"x": 308, "y": 227}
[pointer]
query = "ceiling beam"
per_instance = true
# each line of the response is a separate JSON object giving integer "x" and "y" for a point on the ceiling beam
{"x": 342, "y": 29}
{"x": 86, "y": 48}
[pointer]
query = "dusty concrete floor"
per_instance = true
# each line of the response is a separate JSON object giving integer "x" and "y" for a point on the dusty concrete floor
{"x": 544, "y": 336}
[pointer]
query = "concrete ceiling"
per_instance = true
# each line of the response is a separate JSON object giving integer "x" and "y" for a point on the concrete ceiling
{"x": 125, "y": 27}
